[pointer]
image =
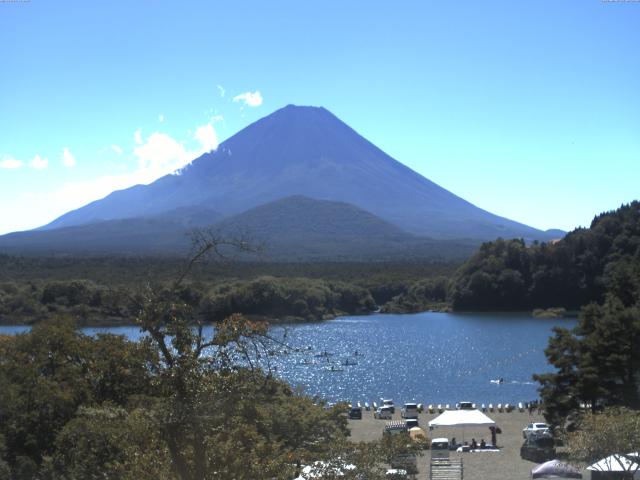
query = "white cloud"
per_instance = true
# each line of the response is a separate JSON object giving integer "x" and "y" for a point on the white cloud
{"x": 207, "y": 137}
{"x": 157, "y": 155}
{"x": 116, "y": 149}
{"x": 11, "y": 163}
{"x": 68, "y": 160}
{"x": 250, "y": 99}
{"x": 221, "y": 90}
{"x": 39, "y": 163}
{"x": 217, "y": 118}
{"x": 161, "y": 118}
{"x": 161, "y": 154}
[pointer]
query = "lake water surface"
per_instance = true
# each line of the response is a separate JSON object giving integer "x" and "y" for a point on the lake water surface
{"x": 426, "y": 357}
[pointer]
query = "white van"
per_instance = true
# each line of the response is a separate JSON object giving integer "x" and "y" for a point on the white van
{"x": 409, "y": 410}
{"x": 383, "y": 413}
{"x": 439, "y": 448}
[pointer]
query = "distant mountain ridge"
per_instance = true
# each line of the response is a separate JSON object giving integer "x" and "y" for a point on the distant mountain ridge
{"x": 305, "y": 151}
{"x": 294, "y": 228}
{"x": 299, "y": 180}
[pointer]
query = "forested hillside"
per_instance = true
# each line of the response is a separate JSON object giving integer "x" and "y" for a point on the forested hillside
{"x": 580, "y": 268}
{"x": 109, "y": 290}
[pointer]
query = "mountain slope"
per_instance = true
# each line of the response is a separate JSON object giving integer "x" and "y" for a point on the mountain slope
{"x": 162, "y": 233}
{"x": 302, "y": 228}
{"x": 305, "y": 151}
{"x": 293, "y": 228}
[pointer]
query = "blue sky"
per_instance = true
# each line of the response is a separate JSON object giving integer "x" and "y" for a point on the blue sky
{"x": 530, "y": 110}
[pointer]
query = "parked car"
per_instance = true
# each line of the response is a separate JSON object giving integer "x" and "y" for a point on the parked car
{"x": 405, "y": 461}
{"x": 383, "y": 413}
{"x": 440, "y": 448}
{"x": 396, "y": 473}
{"x": 411, "y": 422}
{"x": 465, "y": 406}
{"x": 389, "y": 403}
{"x": 355, "y": 413}
{"x": 538, "y": 449}
{"x": 535, "y": 429}
{"x": 409, "y": 410}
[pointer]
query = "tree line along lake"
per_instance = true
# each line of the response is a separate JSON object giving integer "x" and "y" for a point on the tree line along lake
{"x": 425, "y": 357}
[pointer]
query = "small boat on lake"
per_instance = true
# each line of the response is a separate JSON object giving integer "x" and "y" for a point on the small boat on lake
{"x": 324, "y": 354}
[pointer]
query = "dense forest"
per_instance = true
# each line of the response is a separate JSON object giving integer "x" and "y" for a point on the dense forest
{"x": 570, "y": 273}
{"x": 597, "y": 363}
{"x": 502, "y": 275}
{"x": 109, "y": 290}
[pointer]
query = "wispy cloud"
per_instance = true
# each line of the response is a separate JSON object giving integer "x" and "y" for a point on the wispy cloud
{"x": 251, "y": 99}
{"x": 39, "y": 163}
{"x": 11, "y": 163}
{"x": 207, "y": 137}
{"x": 157, "y": 155}
{"x": 221, "y": 90}
{"x": 68, "y": 160}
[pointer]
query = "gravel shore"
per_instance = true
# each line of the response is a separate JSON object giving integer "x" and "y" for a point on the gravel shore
{"x": 503, "y": 465}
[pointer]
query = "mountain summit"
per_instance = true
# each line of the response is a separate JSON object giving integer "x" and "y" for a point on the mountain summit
{"x": 304, "y": 151}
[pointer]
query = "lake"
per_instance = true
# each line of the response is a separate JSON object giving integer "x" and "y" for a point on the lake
{"x": 427, "y": 357}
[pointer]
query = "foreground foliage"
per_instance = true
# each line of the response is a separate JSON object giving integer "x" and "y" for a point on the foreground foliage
{"x": 82, "y": 407}
{"x": 600, "y": 435}
{"x": 179, "y": 404}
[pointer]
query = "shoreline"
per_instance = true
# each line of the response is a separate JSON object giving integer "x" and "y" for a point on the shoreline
{"x": 293, "y": 320}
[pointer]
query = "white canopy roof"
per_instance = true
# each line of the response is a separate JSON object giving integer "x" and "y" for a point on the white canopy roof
{"x": 461, "y": 418}
{"x": 616, "y": 463}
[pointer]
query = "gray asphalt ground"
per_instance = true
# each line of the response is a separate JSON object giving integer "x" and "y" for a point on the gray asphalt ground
{"x": 503, "y": 465}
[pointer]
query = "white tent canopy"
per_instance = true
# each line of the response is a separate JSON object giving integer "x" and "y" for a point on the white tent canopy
{"x": 617, "y": 463}
{"x": 462, "y": 418}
